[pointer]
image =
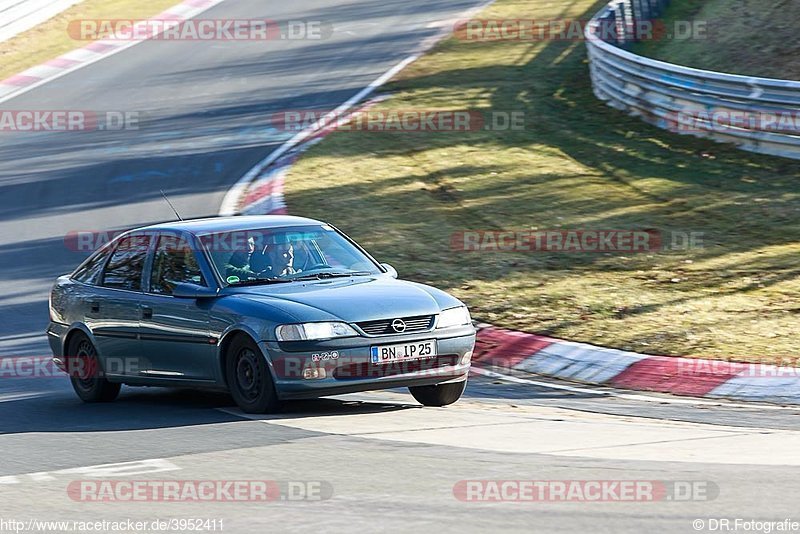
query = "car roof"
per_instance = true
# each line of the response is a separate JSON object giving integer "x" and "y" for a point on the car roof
{"x": 230, "y": 224}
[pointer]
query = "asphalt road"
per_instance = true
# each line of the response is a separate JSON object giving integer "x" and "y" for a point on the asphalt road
{"x": 385, "y": 462}
{"x": 392, "y": 465}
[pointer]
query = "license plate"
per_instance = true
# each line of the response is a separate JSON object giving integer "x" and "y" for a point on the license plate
{"x": 419, "y": 350}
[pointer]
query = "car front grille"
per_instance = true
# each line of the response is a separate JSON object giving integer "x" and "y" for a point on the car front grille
{"x": 383, "y": 327}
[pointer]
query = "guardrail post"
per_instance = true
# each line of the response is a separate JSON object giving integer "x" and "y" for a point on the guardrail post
{"x": 636, "y": 12}
{"x": 619, "y": 20}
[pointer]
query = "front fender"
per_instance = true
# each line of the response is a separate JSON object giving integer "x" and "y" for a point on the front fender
{"x": 224, "y": 342}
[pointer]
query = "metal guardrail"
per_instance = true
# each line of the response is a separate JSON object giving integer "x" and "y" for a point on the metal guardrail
{"x": 757, "y": 114}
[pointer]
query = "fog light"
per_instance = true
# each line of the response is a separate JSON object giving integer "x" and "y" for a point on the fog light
{"x": 465, "y": 359}
{"x": 310, "y": 373}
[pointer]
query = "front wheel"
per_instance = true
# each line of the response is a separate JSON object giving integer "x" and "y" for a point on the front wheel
{"x": 86, "y": 374}
{"x": 249, "y": 379}
{"x": 439, "y": 394}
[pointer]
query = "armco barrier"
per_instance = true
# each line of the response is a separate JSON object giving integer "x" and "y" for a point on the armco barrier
{"x": 756, "y": 114}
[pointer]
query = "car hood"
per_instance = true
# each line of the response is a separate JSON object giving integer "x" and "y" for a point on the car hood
{"x": 359, "y": 298}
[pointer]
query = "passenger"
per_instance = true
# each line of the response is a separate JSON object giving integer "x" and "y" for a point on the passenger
{"x": 239, "y": 262}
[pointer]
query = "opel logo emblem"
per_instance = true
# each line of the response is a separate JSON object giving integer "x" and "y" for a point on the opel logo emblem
{"x": 399, "y": 326}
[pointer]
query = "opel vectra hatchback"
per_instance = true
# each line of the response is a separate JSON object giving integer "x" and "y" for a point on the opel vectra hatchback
{"x": 268, "y": 307}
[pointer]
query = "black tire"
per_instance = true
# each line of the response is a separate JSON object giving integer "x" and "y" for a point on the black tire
{"x": 439, "y": 394}
{"x": 249, "y": 379}
{"x": 86, "y": 373}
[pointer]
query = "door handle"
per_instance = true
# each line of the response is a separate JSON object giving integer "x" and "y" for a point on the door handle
{"x": 147, "y": 313}
{"x": 95, "y": 307}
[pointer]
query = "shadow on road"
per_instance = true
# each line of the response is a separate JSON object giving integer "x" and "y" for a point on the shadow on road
{"x": 155, "y": 408}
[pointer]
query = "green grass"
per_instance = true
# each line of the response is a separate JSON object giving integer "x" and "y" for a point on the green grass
{"x": 752, "y": 37}
{"x": 577, "y": 164}
{"x": 51, "y": 39}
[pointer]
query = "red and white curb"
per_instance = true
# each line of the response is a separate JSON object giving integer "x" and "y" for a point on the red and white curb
{"x": 260, "y": 192}
{"x": 502, "y": 349}
{"x": 92, "y": 53}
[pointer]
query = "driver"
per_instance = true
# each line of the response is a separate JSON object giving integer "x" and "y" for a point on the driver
{"x": 276, "y": 259}
{"x": 280, "y": 257}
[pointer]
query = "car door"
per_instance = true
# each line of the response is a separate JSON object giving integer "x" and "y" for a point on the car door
{"x": 112, "y": 308}
{"x": 175, "y": 331}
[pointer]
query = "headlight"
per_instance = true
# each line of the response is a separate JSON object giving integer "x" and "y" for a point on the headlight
{"x": 312, "y": 331}
{"x": 454, "y": 317}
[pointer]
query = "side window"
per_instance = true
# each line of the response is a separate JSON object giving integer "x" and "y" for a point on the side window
{"x": 174, "y": 263}
{"x": 124, "y": 269}
{"x": 89, "y": 272}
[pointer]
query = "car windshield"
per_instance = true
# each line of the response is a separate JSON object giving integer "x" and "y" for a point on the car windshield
{"x": 279, "y": 255}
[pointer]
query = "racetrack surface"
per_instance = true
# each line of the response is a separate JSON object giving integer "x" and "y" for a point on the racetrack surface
{"x": 391, "y": 463}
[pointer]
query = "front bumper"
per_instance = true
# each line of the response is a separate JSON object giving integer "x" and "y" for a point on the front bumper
{"x": 335, "y": 367}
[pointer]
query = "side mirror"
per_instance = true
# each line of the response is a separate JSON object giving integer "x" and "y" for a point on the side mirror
{"x": 193, "y": 291}
{"x": 391, "y": 271}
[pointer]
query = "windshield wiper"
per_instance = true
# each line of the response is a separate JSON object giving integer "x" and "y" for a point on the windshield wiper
{"x": 260, "y": 281}
{"x": 326, "y": 275}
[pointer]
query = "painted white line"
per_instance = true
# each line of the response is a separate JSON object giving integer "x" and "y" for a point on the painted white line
{"x": 27, "y": 14}
{"x": 123, "y": 469}
{"x": 41, "y": 477}
{"x": 100, "y": 57}
{"x": 626, "y": 396}
{"x": 22, "y": 396}
{"x": 230, "y": 203}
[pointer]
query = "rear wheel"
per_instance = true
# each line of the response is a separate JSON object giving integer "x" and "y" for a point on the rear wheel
{"x": 439, "y": 394}
{"x": 85, "y": 372}
{"x": 249, "y": 379}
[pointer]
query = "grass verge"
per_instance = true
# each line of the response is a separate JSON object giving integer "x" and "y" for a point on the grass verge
{"x": 577, "y": 164}
{"x": 752, "y": 37}
{"x": 51, "y": 39}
